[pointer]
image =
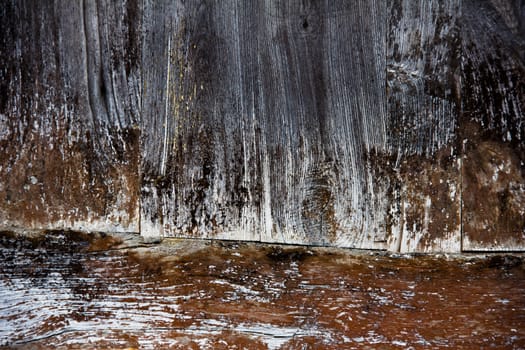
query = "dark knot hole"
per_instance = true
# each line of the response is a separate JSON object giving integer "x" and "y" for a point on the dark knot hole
{"x": 305, "y": 24}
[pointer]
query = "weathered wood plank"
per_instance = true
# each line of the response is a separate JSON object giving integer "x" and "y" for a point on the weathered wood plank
{"x": 267, "y": 120}
{"x": 326, "y": 101}
{"x": 493, "y": 125}
{"x": 89, "y": 292}
{"x": 264, "y": 121}
{"x": 70, "y": 101}
{"x": 423, "y": 54}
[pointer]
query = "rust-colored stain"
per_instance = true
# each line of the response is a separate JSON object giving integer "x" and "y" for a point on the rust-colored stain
{"x": 432, "y": 192}
{"x": 78, "y": 291}
{"x": 493, "y": 196}
{"x": 63, "y": 183}
{"x": 424, "y": 195}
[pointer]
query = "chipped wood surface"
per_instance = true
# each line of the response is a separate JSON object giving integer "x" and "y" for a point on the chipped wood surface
{"x": 369, "y": 124}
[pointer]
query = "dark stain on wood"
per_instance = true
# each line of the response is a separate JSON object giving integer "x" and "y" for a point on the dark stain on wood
{"x": 69, "y": 158}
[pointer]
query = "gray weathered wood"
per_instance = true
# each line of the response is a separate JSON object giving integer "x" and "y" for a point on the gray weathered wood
{"x": 423, "y": 54}
{"x": 70, "y": 95}
{"x": 371, "y": 124}
{"x": 263, "y": 114}
{"x": 493, "y": 125}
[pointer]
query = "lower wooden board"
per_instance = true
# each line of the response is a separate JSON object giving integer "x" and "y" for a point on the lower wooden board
{"x": 68, "y": 290}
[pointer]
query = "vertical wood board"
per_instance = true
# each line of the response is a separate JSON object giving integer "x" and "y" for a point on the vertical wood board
{"x": 69, "y": 107}
{"x": 267, "y": 114}
{"x": 493, "y": 125}
{"x": 369, "y": 124}
{"x": 423, "y": 99}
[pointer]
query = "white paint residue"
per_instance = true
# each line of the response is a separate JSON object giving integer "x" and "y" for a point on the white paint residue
{"x": 273, "y": 336}
{"x": 399, "y": 343}
{"x": 165, "y": 126}
{"x": 428, "y": 204}
{"x": 267, "y": 202}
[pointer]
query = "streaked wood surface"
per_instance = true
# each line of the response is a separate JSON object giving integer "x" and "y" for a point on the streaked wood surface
{"x": 369, "y": 124}
{"x": 62, "y": 292}
{"x": 265, "y": 123}
{"x": 493, "y": 125}
{"x": 70, "y": 83}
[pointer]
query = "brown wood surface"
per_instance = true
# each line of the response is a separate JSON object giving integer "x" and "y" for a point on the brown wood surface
{"x": 66, "y": 290}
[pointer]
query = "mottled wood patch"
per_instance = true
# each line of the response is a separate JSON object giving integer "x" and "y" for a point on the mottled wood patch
{"x": 70, "y": 87}
{"x": 422, "y": 79}
{"x": 493, "y": 125}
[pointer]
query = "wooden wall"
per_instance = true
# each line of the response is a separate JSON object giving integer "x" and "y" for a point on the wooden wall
{"x": 70, "y": 106}
{"x": 371, "y": 124}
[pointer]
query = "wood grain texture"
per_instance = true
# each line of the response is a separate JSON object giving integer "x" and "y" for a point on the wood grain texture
{"x": 493, "y": 125}
{"x": 423, "y": 99}
{"x": 67, "y": 290}
{"x": 70, "y": 101}
{"x": 266, "y": 111}
{"x": 370, "y": 124}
